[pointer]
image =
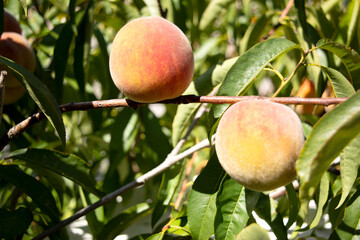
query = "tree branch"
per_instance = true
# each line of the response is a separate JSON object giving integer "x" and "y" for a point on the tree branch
{"x": 168, "y": 162}
{"x": 185, "y": 99}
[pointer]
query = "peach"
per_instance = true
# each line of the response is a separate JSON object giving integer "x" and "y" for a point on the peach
{"x": 15, "y": 47}
{"x": 151, "y": 60}
{"x": 10, "y": 23}
{"x": 258, "y": 142}
{"x": 13, "y": 94}
{"x": 306, "y": 90}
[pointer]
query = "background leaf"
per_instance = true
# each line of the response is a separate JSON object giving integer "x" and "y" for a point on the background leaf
{"x": 40, "y": 94}
{"x": 64, "y": 164}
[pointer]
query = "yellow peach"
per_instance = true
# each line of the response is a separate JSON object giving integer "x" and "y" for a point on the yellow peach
{"x": 15, "y": 47}
{"x": 306, "y": 90}
{"x": 258, "y": 143}
{"x": 151, "y": 60}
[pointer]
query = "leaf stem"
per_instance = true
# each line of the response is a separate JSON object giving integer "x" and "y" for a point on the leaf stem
{"x": 287, "y": 79}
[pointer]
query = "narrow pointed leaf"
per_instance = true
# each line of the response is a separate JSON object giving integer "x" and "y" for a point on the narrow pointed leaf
{"x": 293, "y": 205}
{"x": 248, "y": 66}
{"x": 328, "y": 138}
{"x": 40, "y": 195}
{"x": 202, "y": 200}
{"x": 348, "y": 229}
{"x": 64, "y": 164}
{"x": 122, "y": 221}
{"x": 349, "y": 57}
{"x": 212, "y": 12}
{"x": 39, "y": 93}
{"x": 342, "y": 87}
{"x": 232, "y": 214}
{"x": 349, "y": 167}
{"x": 324, "y": 189}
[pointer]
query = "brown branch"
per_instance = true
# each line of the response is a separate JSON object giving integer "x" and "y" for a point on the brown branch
{"x": 185, "y": 99}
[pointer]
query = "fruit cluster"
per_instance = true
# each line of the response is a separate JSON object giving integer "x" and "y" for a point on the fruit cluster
{"x": 257, "y": 141}
{"x": 15, "y": 47}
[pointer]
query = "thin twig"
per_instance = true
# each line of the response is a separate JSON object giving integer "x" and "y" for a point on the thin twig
{"x": 185, "y": 99}
{"x": 2, "y": 91}
{"x": 168, "y": 162}
{"x": 282, "y": 16}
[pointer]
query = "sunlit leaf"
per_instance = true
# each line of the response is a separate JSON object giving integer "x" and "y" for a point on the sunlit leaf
{"x": 349, "y": 57}
{"x": 244, "y": 71}
{"x": 349, "y": 227}
{"x": 328, "y": 138}
{"x": 202, "y": 200}
{"x": 253, "y": 232}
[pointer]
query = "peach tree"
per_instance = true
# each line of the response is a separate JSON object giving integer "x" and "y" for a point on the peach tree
{"x": 75, "y": 151}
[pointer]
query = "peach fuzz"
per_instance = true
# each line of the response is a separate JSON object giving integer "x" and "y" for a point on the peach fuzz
{"x": 151, "y": 60}
{"x": 15, "y": 47}
{"x": 10, "y": 23}
{"x": 258, "y": 143}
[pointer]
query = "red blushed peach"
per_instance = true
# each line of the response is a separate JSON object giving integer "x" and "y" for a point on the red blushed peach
{"x": 15, "y": 47}
{"x": 258, "y": 143}
{"x": 13, "y": 94}
{"x": 151, "y": 60}
{"x": 10, "y": 23}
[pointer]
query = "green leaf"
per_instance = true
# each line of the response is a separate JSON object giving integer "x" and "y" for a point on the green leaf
{"x": 153, "y": 131}
{"x": 293, "y": 204}
{"x": 40, "y": 195}
{"x": 212, "y": 12}
{"x": 324, "y": 189}
{"x": 232, "y": 215}
{"x": 64, "y": 164}
{"x": 354, "y": 7}
{"x": 203, "y": 85}
{"x": 327, "y": 139}
{"x": 342, "y": 87}
{"x": 253, "y": 232}
{"x": 249, "y": 65}
{"x": 202, "y": 200}
{"x": 14, "y": 223}
{"x": 39, "y": 93}
{"x": 122, "y": 221}
{"x": 169, "y": 183}
{"x": 156, "y": 236}
{"x": 61, "y": 53}
{"x": 349, "y": 165}
{"x": 254, "y": 32}
{"x": 349, "y": 57}
{"x": 82, "y": 47}
{"x": 349, "y": 227}
{"x": 265, "y": 208}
